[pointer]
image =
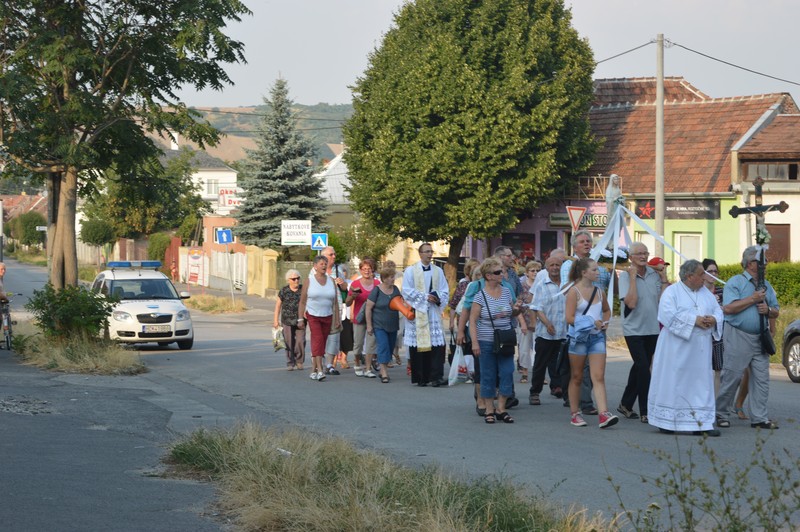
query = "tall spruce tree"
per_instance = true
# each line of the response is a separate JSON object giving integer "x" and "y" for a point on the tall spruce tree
{"x": 278, "y": 180}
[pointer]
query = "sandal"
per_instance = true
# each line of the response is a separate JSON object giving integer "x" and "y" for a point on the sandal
{"x": 740, "y": 413}
{"x": 489, "y": 418}
{"x": 523, "y": 379}
{"x": 384, "y": 379}
{"x": 504, "y": 417}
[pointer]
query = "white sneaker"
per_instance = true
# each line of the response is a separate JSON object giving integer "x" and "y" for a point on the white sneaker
{"x": 359, "y": 371}
{"x": 321, "y": 376}
{"x": 370, "y": 375}
{"x": 314, "y": 376}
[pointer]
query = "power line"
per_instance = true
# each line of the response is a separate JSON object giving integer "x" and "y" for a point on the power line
{"x": 625, "y": 52}
{"x": 211, "y": 111}
{"x": 733, "y": 64}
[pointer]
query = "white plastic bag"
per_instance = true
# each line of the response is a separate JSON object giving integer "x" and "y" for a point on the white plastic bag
{"x": 458, "y": 368}
{"x": 278, "y": 341}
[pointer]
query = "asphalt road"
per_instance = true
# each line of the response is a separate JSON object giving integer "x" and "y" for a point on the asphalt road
{"x": 232, "y": 373}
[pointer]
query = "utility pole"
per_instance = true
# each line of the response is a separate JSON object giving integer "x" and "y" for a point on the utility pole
{"x": 660, "y": 208}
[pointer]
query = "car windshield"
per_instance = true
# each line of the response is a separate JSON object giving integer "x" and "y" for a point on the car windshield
{"x": 143, "y": 289}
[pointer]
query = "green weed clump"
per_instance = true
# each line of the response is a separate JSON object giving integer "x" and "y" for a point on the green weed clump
{"x": 296, "y": 480}
{"x": 76, "y": 354}
{"x": 759, "y": 492}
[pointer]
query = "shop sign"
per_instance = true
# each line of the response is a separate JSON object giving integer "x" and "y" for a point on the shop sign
{"x": 588, "y": 221}
{"x": 680, "y": 209}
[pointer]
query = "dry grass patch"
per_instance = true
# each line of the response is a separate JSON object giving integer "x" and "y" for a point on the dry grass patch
{"x": 214, "y": 304}
{"x": 297, "y": 480}
{"x": 74, "y": 355}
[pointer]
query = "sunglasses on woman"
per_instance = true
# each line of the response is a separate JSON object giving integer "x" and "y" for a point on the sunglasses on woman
{"x": 294, "y": 278}
{"x": 498, "y": 272}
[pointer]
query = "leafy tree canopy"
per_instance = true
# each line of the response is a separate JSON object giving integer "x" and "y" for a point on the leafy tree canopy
{"x": 278, "y": 179}
{"x": 82, "y": 82}
{"x": 152, "y": 196}
{"x": 468, "y": 114}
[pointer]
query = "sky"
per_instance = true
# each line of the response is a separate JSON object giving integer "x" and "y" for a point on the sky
{"x": 322, "y": 46}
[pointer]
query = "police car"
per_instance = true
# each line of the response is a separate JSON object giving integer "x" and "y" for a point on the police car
{"x": 150, "y": 309}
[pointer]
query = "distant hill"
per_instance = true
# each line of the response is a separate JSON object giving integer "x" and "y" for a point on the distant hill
{"x": 322, "y": 122}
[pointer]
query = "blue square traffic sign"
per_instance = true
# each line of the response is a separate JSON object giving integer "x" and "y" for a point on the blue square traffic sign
{"x": 319, "y": 241}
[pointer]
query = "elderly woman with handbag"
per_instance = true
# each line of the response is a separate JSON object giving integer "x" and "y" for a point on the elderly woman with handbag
{"x": 286, "y": 313}
{"x": 494, "y": 339}
{"x": 319, "y": 306}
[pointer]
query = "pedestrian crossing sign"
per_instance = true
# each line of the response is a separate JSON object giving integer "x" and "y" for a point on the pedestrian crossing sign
{"x": 319, "y": 241}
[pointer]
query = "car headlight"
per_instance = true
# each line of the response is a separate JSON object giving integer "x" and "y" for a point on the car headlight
{"x": 182, "y": 315}
{"x": 121, "y": 315}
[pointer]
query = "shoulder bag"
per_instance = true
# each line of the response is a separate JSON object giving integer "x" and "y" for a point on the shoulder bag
{"x": 505, "y": 340}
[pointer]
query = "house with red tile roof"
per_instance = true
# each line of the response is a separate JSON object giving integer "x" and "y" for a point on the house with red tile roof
{"x": 713, "y": 149}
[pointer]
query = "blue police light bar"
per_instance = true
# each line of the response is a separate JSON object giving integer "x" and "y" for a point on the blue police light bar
{"x": 135, "y": 264}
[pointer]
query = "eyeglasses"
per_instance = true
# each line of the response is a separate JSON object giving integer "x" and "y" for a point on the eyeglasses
{"x": 535, "y": 270}
{"x": 498, "y": 272}
{"x": 294, "y": 278}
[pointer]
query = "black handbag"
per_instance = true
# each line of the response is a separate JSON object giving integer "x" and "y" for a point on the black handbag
{"x": 505, "y": 340}
{"x": 767, "y": 343}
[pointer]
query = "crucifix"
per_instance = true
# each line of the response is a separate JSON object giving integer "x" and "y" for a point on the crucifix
{"x": 762, "y": 235}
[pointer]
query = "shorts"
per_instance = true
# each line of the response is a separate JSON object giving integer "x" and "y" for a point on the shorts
{"x": 595, "y": 344}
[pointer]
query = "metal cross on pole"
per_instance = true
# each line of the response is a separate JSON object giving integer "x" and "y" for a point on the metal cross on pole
{"x": 762, "y": 235}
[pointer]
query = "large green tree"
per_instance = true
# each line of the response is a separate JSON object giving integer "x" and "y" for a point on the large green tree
{"x": 467, "y": 115}
{"x": 278, "y": 178}
{"x": 156, "y": 195}
{"x": 83, "y": 81}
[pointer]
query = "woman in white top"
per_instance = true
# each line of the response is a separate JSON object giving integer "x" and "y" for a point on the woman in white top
{"x": 587, "y": 338}
{"x": 319, "y": 307}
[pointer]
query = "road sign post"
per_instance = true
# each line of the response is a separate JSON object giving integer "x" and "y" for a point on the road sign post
{"x": 225, "y": 236}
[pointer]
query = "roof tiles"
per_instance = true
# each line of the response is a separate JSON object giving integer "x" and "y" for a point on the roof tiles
{"x": 699, "y": 132}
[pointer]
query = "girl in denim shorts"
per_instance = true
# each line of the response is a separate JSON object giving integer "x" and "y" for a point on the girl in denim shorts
{"x": 587, "y": 314}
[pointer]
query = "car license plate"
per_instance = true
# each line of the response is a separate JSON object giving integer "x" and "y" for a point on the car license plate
{"x": 156, "y": 328}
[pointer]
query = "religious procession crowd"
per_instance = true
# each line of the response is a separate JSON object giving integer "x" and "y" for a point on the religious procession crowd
{"x": 698, "y": 349}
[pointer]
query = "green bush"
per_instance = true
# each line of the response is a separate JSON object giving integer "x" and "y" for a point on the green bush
{"x": 335, "y": 242}
{"x": 157, "y": 246}
{"x": 96, "y": 232}
{"x": 23, "y": 228}
{"x": 68, "y": 312}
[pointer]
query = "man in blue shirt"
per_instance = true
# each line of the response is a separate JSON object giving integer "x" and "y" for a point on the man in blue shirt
{"x": 745, "y": 308}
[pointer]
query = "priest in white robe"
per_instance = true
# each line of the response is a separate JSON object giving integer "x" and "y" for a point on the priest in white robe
{"x": 681, "y": 395}
{"x": 425, "y": 288}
